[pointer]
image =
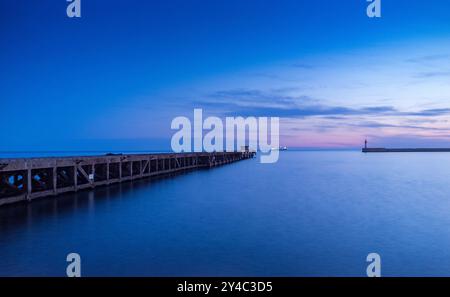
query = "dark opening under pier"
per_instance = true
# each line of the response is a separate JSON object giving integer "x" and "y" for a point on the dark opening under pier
{"x": 24, "y": 179}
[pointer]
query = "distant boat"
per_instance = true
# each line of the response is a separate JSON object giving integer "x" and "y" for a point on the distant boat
{"x": 281, "y": 148}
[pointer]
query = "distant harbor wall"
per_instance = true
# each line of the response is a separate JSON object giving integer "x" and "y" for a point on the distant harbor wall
{"x": 25, "y": 179}
{"x": 406, "y": 150}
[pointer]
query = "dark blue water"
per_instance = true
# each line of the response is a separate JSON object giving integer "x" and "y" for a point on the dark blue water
{"x": 310, "y": 214}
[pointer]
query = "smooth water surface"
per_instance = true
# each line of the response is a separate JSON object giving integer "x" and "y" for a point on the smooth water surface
{"x": 310, "y": 214}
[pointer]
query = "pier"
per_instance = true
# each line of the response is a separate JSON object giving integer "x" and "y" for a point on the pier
{"x": 367, "y": 149}
{"x": 406, "y": 150}
{"x": 25, "y": 179}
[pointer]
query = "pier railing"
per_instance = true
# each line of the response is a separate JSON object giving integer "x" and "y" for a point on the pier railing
{"x": 25, "y": 179}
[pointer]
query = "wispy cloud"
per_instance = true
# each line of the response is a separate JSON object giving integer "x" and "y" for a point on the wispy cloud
{"x": 428, "y": 58}
{"x": 302, "y": 66}
{"x": 253, "y": 102}
{"x": 428, "y": 112}
{"x": 432, "y": 74}
{"x": 386, "y": 125}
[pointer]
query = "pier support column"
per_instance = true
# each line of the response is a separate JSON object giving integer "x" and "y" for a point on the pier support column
{"x": 55, "y": 179}
{"x": 93, "y": 176}
{"x": 75, "y": 177}
{"x": 29, "y": 182}
{"x": 120, "y": 170}
{"x": 150, "y": 166}
{"x": 108, "y": 162}
{"x": 131, "y": 169}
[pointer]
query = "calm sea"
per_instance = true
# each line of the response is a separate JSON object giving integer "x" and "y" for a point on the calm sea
{"x": 310, "y": 214}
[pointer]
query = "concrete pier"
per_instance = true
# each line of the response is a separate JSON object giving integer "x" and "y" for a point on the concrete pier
{"x": 405, "y": 150}
{"x": 25, "y": 179}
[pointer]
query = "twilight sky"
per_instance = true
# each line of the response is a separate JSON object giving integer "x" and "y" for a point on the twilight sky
{"x": 115, "y": 78}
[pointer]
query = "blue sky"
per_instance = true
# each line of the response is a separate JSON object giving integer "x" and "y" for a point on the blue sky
{"x": 116, "y": 77}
